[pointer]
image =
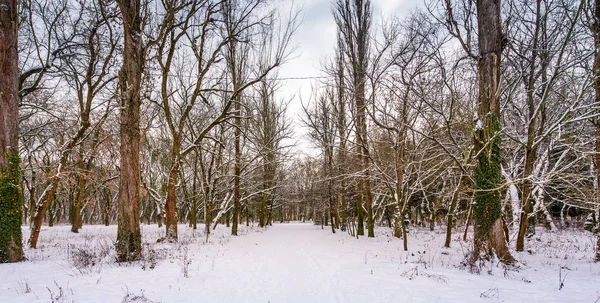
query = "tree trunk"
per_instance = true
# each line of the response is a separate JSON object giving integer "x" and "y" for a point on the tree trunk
{"x": 171, "y": 203}
{"x": 432, "y": 216}
{"x": 369, "y": 203}
{"x": 469, "y": 215}
{"x": 341, "y": 127}
{"x": 399, "y": 226}
{"x": 32, "y": 195}
{"x": 597, "y": 156}
{"x": 530, "y": 148}
{"x": 194, "y": 208}
{"x": 364, "y": 152}
{"x": 207, "y": 217}
{"x": 129, "y": 238}
{"x": 106, "y": 208}
{"x": 11, "y": 194}
{"x": 490, "y": 239}
{"x": 237, "y": 165}
{"x": 451, "y": 211}
{"x": 47, "y": 201}
{"x": 360, "y": 228}
{"x": 76, "y": 222}
{"x": 596, "y": 33}
{"x": 526, "y": 197}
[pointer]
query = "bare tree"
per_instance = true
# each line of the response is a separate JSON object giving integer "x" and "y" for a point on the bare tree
{"x": 175, "y": 24}
{"x": 353, "y": 19}
{"x": 322, "y": 124}
{"x": 268, "y": 129}
{"x": 210, "y": 28}
{"x": 90, "y": 76}
{"x": 542, "y": 81}
{"x": 236, "y": 54}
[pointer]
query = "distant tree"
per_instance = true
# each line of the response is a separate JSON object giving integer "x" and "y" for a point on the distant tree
{"x": 268, "y": 128}
{"x": 321, "y": 122}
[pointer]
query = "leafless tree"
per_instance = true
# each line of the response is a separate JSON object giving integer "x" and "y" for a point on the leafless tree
{"x": 353, "y": 19}
{"x": 91, "y": 75}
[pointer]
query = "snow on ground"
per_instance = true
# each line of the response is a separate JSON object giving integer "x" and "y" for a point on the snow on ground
{"x": 294, "y": 262}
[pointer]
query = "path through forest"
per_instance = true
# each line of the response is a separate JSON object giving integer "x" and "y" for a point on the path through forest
{"x": 292, "y": 262}
{"x": 297, "y": 262}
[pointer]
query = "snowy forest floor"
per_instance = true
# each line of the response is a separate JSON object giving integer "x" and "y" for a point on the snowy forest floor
{"x": 294, "y": 262}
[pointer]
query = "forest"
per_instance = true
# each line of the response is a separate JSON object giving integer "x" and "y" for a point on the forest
{"x": 474, "y": 122}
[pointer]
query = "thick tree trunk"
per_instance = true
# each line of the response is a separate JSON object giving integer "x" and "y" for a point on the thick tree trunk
{"x": 11, "y": 194}
{"x": 129, "y": 238}
{"x": 490, "y": 238}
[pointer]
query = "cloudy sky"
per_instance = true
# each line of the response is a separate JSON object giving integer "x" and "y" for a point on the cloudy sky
{"x": 315, "y": 42}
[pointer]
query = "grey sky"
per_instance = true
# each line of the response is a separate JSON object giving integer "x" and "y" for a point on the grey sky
{"x": 315, "y": 42}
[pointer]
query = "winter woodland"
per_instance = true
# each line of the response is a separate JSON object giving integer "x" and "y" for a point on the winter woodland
{"x": 149, "y": 152}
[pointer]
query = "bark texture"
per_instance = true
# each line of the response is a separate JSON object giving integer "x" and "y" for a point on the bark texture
{"x": 11, "y": 195}
{"x": 129, "y": 238}
{"x": 490, "y": 238}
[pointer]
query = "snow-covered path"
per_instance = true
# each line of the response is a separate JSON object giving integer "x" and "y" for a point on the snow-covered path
{"x": 300, "y": 263}
{"x": 292, "y": 262}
